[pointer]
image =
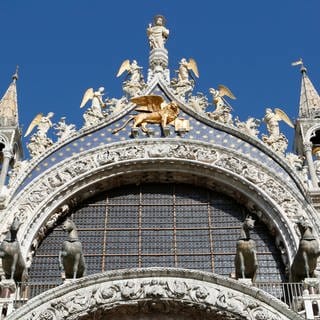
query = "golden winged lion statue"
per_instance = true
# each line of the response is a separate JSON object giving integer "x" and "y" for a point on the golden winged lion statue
{"x": 153, "y": 109}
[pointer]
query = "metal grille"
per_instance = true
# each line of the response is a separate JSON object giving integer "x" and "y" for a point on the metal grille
{"x": 171, "y": 225}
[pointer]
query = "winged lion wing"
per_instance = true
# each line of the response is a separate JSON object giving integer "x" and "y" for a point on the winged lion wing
{"x": 283, "y": 116}
{"x": 192, "y": 65}
{"x": 36, "y": 120}
{"x": 225, "y": 91}
{"x": 125, "y": 66}
{"x": 86, "y": 97}
{"x": 148, "y": 103}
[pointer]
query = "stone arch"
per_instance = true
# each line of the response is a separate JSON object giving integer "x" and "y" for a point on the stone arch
{"x": 311, "y": 132}
{"x": 4, "y": 143}
{"x": 154, "y": 291}
{"x": 197, "y": 163}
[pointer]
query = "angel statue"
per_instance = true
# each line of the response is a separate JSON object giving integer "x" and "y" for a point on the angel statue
{"x": 94, "y": 113}
{"x": 157, "y": 33}
{"x": 276, "y": 140}
{"x": 183, "y": 83}
{"x": 39, "y": 141}
{"x": 134, "y": 82}
{"x": 43, "y": 122}
{"x": 153, "y": 109}
{"x": 222, "y": 112}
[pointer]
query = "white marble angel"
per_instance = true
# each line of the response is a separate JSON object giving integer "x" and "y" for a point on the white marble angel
{"x": 185, "y": 81}
{"x": 184, "y": 69}
{"x": 94, "y": 113}
{"x": 39, "y": 142}
{"x": 42, "y": 122}
{"x": 218, "y": 96}
{"x": 276, "y": 140}
{"x": 222, "y": 112}
{"x": 95, "y": 96}
{"x": 272, "y": 121}
{"x": 134, "y": 81}
{"x": 133, "y": 71}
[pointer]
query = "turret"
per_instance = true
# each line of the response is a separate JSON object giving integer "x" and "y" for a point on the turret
{"x": 10, "y": 133}
{"x": 307, "y": 127}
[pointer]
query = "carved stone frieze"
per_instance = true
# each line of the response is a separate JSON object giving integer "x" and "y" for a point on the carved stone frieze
{"x": 157, "y": 290}
{"x": 18, "y": 169}
{"x": 90, "y": 167}
{"x": 277, "y": 143}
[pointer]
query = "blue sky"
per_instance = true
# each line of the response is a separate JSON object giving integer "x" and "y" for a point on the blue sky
{"x": 65, "y": 47}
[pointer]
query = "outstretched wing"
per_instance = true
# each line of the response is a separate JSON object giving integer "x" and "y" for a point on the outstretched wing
{"x": 125, "y": 66}
{"x": 86, "y": 97}
{"x": 148, "y": 103}
{"x": 192, "y": 65}
{"x": 34, "y": 123}
{"x": 50, "y": 115}
{"x": 283, "y": 116}
{"x": 225, "y": 91}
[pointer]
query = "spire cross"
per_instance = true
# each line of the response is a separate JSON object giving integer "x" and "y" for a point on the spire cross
{"x": 299, "y": 63}
{"x": 15, "y": 77}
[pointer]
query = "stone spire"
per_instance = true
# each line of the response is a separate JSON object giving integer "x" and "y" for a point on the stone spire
{"x": 307, "y": 128}
{"x": 9, "y": 105}
{"x": 309, "y": 98}
{"x": 10, "y": 136}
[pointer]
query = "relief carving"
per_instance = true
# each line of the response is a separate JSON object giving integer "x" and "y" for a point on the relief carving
{"x": 18, "y": 169}
{"x": 159, "y": 151}
{"x": 155, "y": 294}
{"x": 49, "y": 185}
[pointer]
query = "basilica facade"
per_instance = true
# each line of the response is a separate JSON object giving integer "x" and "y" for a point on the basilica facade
{"x": 160, "y": 206}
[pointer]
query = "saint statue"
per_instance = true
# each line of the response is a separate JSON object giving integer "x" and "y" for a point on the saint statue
{"x": 157, "y": 33}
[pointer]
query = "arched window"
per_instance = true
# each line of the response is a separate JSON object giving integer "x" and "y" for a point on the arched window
{"x": 159, "y": 225}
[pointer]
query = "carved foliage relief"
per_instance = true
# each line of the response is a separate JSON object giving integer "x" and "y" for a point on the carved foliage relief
{"x": 147, "y": 295}
{"x": 73, "y": 171}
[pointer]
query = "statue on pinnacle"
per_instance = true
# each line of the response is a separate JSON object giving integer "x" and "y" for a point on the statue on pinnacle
{"x": 157, "y": 33}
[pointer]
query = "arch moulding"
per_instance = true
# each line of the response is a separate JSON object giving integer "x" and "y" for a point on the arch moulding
{"x": 46, "y": 198}
{"x": 154, "y": 291}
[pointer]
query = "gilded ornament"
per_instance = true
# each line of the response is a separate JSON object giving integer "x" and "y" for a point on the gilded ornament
{"x": 153, "y": 110}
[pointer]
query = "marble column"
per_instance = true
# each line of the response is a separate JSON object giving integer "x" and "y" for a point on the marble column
{"x": 7, "y": 156}
{"x": 308, "y": 152}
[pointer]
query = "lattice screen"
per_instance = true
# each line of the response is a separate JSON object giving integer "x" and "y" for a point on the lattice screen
{"x": 162, "y": 225}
